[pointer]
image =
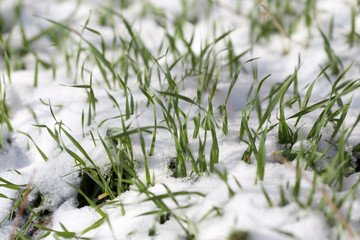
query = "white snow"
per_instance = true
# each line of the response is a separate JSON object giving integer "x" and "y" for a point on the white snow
{"x": 212, "y": 216}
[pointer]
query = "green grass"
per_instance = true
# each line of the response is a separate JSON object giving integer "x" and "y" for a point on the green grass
{"x": 196, "y": 130}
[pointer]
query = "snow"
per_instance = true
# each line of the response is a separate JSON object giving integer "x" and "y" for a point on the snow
{"x": 212, "y": 216}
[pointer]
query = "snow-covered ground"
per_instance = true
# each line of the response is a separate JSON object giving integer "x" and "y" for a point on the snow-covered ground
{"x": 218, "y": 207}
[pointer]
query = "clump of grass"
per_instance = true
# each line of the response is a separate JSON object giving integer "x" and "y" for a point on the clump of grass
{"x": 96, "y": 186}
{"x": 285, "y": 134}
{"x": 341, "y": 164}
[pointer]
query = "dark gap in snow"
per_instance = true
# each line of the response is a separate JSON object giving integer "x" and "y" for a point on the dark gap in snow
{"x": 163, "y": 218}
{"x": 90, "y": 186}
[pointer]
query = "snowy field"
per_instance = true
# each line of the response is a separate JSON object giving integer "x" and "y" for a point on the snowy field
{"x": 199, "y": 119}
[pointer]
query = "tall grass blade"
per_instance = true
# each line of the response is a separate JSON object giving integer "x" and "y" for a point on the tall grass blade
{"x": 6, "y": 58}
{"x": 37, "y": 147}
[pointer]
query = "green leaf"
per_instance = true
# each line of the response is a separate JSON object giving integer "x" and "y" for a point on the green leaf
{"x": 7, "y": 60}
{"x": 37, "y": 147}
